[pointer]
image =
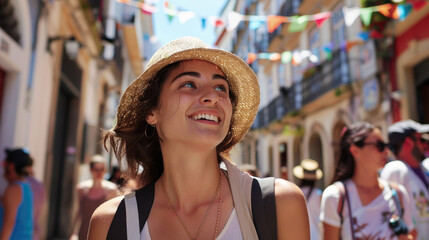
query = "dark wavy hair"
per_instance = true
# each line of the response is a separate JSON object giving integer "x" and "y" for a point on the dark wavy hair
{"x": 140, "y": 146}
{"x": 354, "y": 134}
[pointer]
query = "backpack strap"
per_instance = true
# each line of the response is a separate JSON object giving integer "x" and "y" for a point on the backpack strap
{"x": 132, "y": 215}
{"x": 345, "y": 195}
{"x": 264, "y": 207}
{"x": 340, "y": 207}
{"x": 144, "y": 200}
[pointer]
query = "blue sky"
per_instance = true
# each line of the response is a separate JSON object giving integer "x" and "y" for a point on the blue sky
{"x": 166, "y": 31}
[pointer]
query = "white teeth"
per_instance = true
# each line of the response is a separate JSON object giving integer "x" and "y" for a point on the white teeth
{"x": 206, "y": 116}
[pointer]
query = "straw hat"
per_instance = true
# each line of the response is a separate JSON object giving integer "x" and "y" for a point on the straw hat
{"x": 308, "y": 170}
{"x": 242, "y": 80}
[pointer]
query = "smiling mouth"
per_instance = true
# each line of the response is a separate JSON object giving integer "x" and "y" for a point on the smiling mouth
{"x": 207, "y": 117}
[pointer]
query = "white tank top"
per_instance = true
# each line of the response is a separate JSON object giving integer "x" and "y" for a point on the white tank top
{"x": 230, "y": 231}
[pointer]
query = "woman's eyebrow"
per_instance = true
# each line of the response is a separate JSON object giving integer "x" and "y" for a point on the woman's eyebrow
{"x": 193, "y": 74}
{"x": 196, "y": 74}
{"x": 218, "y": 76}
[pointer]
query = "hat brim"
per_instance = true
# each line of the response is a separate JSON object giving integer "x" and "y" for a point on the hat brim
{"x": 243, "y": 83}
{"x": 299, "y": 172}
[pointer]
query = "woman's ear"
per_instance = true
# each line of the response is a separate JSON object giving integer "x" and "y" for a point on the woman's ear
{"x": 151, "y": 118}
{"x": 354, "y": 150}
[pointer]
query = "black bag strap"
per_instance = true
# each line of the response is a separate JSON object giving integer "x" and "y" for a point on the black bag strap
{"x": 345, "y": 195}
{"x": 264, "y": 208}
{"x": 144, "y": 197}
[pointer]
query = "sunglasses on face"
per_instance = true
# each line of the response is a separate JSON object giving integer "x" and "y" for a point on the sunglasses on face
{"x": 98, "y": 169}
{"x": 380, "y": 145}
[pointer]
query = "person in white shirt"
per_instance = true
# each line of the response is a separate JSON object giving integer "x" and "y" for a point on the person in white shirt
{"x": 358, "y": 204}
{"x": 308, "y": 172}
{"x": 407, "y": 145}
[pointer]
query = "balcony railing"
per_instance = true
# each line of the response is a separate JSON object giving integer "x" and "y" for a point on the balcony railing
{"x": 327, "y": 76}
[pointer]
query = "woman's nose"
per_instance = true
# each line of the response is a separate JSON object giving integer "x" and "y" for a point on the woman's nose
{"x": 210, "y": 96}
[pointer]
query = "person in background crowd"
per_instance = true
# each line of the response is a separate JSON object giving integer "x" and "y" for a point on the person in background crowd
{"x": 358, "y": 204}
{"x": 16, "y": 211}
{"x": 92, "y": 193}
{"x": 407, "y": 145}
{"x": 177, "y": 120}
{"x": 252, "y": 170}
{"x": 308, "y": 172}
{"x": 39, "y": 199}
{"x": 283, "y": 172}
{"x": 115, "y": 176}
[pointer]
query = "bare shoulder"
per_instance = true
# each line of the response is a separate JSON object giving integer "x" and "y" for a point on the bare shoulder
{"x": 102, "y": 218}
{"x": 287, "y": 192}
{"x": 13, "y": 194}
{"x": 291, "y": 211}
{"x": 85, "y": 184}
{"x": 109, "y": 185}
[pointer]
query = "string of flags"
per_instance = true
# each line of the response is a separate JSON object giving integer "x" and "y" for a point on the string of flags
{"x": 296, "y": 24}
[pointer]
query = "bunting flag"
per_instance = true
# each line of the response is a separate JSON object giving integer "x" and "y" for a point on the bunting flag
{"x": 251, "y": 57}
{"x": 366, "y": 15}
{"x": 286, "y": 57}
{"x": 321, "y": 17}
{"x": 253, "y": 25}
{"x": 404, "y": 10}
{"x": 274, "y": 22}
{"x": 234, "y": 18}
{"x": 419, "y": 4}
{"x": 170, "y": 11}
{"x": 298, "y": 24}
{"x": 386, "y": 9}
{"x": 275, "y": 57}
{"x": 350, "y": 44}
{"x": 350, "y": 15}
{"x": 364, "y": 36}
{"x": 186, "y": 16}
{"x": 203, "y": 23}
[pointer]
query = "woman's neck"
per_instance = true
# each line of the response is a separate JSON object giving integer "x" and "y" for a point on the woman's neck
{"x": 365, "y": 179}
{"x": 190, "y": 178}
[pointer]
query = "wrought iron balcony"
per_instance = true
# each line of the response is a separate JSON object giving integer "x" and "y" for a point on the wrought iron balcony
{"x": 280, "y": 106}
{"x": 325, "y": 77}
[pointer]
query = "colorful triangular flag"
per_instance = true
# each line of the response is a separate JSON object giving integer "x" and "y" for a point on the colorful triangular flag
{"x": 350, "y": 15}
{"x": 366, "y": 15}
{"x": 298, "y": 23}
{"x": 321, "y": 17}
{"x": 274, "y": 22}
{"x": 234, "y": 18}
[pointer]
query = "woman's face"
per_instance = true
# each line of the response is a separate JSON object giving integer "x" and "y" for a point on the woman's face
{"x": 98, "y": 170}
{"x": 194, "y": 105}
{"x": 372, "y": 155}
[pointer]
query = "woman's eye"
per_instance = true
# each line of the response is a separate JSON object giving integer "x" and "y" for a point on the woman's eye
{"x": 221, "y": 88}
{"x": 188, "y": 85}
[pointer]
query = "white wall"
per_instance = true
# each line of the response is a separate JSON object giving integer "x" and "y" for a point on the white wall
{"x": 41, "y": 103}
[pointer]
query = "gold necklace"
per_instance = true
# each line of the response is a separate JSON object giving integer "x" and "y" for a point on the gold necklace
{"x": 205, "y": 215}
{"x": 218, "y": 210}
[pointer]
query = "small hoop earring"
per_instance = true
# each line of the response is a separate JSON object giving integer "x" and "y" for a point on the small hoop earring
{"x": 153, "y": 131}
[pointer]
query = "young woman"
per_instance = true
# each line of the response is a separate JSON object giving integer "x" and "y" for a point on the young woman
{"x": 177, "y": 121}
{"x": 92, "y": 193}
{"x": 357, "y": 191}
{"x": 16, "y": 209}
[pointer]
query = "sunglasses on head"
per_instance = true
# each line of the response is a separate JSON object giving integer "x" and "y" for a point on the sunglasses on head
{"x": 380, "y": 145}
